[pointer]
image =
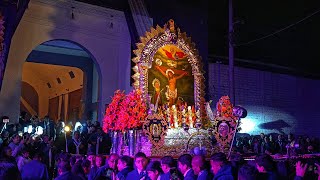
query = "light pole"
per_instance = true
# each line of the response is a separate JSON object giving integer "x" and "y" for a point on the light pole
{"x": 66, "y": 129}
{"x": 231, "y": 55}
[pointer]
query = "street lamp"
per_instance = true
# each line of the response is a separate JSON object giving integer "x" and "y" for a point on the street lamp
{"x": 66, "y": 129}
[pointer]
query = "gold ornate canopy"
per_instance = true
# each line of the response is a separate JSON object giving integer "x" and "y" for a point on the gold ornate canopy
{"x": 156, "y": 39}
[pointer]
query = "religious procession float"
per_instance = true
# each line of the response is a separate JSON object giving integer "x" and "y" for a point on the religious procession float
{"x": 166, "y": 113}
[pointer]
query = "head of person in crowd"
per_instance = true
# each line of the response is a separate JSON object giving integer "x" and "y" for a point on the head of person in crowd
{"x": 198, "y": 164}
{"x": 124, "y": 162}
{"x": 184, "y": 163}
{"x": 167, "y": 162}
{"x": 154, "y": 170}
{"x": 99, "y": 130}
{"x": 38, "y": 156}
{"x": 247, "y": 172}
{"x": 64, "y": 156}
{"x": 6, "y": 152}
{"x": 86, "y": 166}
{"x": 63, "y": 167}
{"x": 112, "y": 160}
{"x": 264, "y": 163}
{"x": 92, "y": 129}
{"x": 45, "y": 138}
{"x": 25, "y": 153}
{"x": 92, "y": 158}
{"x": 100, "y": 160}
{"x": 217, "y": 161}
{"x": 290, "y": 137}
{"x": 96, "y": 124}
{"x": 5, "y": 134}
{"x": 78, "y": 170}
{"x": 140, "y": 161}
{"x": 76, "y": 135}
{"x": 16, "y": 139}
{"x": 262, "y": 136}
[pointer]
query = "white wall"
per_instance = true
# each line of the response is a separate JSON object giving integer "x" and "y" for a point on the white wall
{"x": 46, "y": 20}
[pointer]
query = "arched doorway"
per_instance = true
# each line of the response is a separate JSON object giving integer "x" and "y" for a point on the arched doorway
{"x": 67, "y": 79}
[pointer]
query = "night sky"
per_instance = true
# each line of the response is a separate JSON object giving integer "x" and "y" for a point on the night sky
{"x": 296, "y": 47}
{"x": 295, "y": 50}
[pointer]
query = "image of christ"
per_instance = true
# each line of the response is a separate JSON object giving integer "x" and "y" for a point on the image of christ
{"x": 172, "y": 92}
{"x": 170, "y": 78}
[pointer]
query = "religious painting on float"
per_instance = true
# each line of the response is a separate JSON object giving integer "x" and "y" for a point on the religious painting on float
{"x": 169, "y": 73}
{"x": 170, "y": 77}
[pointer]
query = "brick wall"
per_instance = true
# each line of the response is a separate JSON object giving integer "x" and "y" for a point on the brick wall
{"x": 275, "y": 102}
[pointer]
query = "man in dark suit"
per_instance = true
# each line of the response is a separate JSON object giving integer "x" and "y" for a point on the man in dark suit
{"x": 110, "y": 166}
{"x": 184, "y": 166}
{"x": 168, "y": 166}
{"x": 35, "y": 169}
{"x": 167, "y": 163}
{"x": 199, "y": 169}
{"x": 64, "y": 171}
{"x": 125, "y": 166}
{"x": 220, "y": 168}
{"x": 141, "y": 162}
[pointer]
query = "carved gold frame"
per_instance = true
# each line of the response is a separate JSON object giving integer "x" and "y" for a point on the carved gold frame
{"x": 164, "y": 128}
{"x": 224, "y": 142}
{"x": 149, "y": 45}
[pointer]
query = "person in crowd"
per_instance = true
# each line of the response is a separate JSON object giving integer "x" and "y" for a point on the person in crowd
{"x": 141, "y": 162}
{"x": 125, "y": 166}
{"x": 49, "y": 150}
{"x": 104, "y": 141}
{"x": 247, "y": 172}
{"x": 64, "y": 171}
{"x": 199, "y": 169}
{"x": 9, "y": 171}
{"x": 111, "y": 165}
{"x": 185, "y": 167}
{"x": 76, "y": 146}
{"x": 220, "y": 168}
{"x": 167, "y": 164}
{"x": 5, "y": 139}
{"x": 92, "y": 158}
{"x": 100, "y": 161}
{"x": 280, "y": 145}
{"x": 6, "y": 156}
{"x": 266, "y": 167}
{"x": 78, "y": 171}
{"x": 86, "y": 166}
{"x": 23, "y": 158}
{"x": 16, "y": 145}
{"x": 49, "y": 127}
{"x": 154, "y": 170}
{"x": 35, "y": 169}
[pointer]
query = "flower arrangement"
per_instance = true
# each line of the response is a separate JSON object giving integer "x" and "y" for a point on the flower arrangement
{"x": 111, "y": 118}
{"x": 224, "y": 107}
{"x": 133, "y": 111}
{"x": 125, "y": 111}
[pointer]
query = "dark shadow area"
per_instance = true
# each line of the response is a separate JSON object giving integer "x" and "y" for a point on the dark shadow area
{"x": 275, "y": 125}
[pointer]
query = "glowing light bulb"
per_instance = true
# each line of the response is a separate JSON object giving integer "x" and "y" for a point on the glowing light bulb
{"x": 67, "y": 128}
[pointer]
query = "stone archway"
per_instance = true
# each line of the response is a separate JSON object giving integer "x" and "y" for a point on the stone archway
{"x": 68, "y": 74}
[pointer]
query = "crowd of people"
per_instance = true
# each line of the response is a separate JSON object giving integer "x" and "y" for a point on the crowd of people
{"x": 84, "y": 154}
{"x": 188, "y": 167}
{"x": 276, "y": 144}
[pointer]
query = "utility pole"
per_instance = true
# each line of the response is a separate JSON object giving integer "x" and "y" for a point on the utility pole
{"x": 231, "y": 55}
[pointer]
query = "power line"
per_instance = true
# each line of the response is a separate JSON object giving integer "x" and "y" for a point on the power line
{"x": 278, "y": 31}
